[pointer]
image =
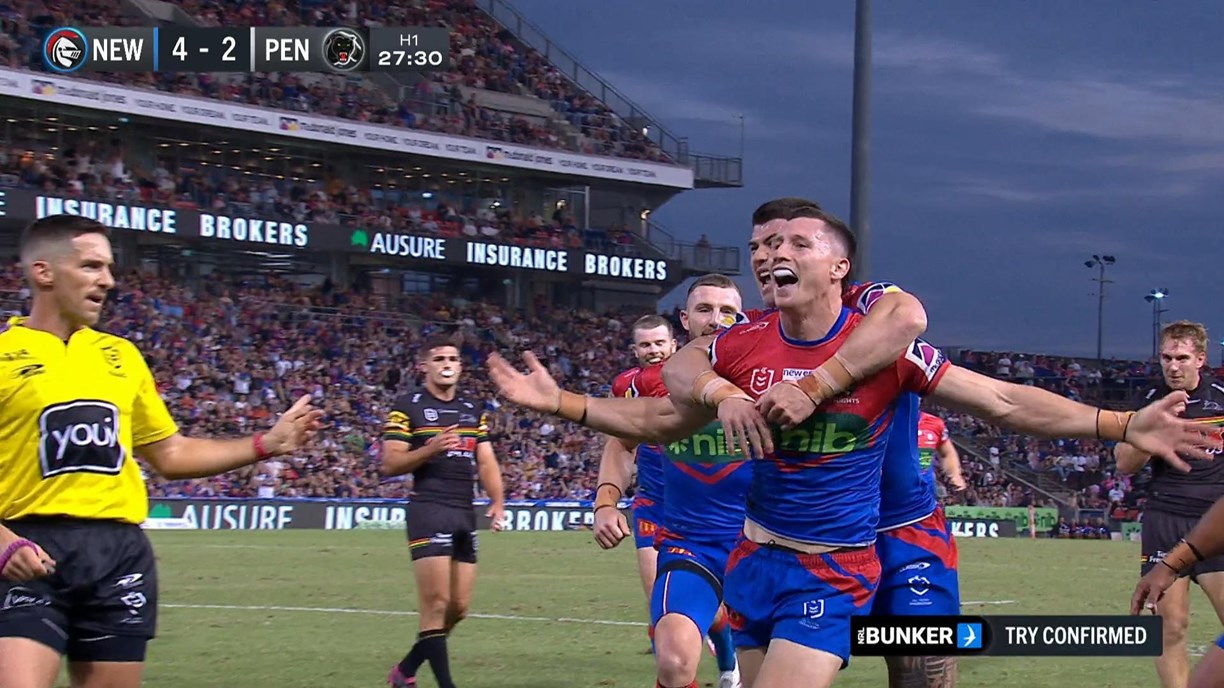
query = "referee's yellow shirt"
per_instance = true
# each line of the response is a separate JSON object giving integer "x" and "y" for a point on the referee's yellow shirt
{"x": 70, "y": 415}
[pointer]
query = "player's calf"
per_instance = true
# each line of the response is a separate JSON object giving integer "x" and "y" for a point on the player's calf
{"x": 921, "y": 672}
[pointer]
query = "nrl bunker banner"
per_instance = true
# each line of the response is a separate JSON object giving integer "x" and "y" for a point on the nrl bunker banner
{"x": 330, "y": 514}
{"x": 50, "y": 88}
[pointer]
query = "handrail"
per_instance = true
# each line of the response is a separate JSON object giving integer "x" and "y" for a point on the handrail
{"x": 705, "y": 167}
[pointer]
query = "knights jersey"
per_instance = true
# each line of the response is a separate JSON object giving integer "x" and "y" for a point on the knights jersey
{"x": 649, "y": 456}
{"x": 931, "y": 434}
{"x": 822, "y": 483}
{"x": 704, "y": 487}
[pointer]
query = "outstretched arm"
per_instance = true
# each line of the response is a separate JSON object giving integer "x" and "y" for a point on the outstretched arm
{"x": 1156, "y": 429}
{"x": 650, "y": 420}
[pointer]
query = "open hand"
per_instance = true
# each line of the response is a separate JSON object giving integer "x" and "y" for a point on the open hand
{"x": 1160, "y": 430}
{"x": 295, "y": 428}
{"x": 536, "y": 390}
{"x": 744, "y": 428}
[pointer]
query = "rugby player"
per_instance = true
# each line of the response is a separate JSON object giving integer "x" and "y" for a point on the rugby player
{"x": 78, "y": 574}
{"x": 704, "y": 489}
{"x": 1178, "y": 498}
{"x": 442, "y": 439}
{"x": 1203, "y": 543}
{"x": 653, "y": 343}
{"x": 831, "y": 522}
{"x": 935, "y": 448}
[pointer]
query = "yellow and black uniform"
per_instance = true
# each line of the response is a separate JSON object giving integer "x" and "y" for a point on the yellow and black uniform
{"x": 70, "y": 416}
{"x": 441, "y": 519}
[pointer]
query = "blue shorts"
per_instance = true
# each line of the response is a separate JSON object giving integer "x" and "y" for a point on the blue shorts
{"x": 1220, "y": 642}
{"x": 646, "y": 519}
{"x": 689, "y": 581}
{"x": 918, "y": 570}
{"x": 807, "y": 599}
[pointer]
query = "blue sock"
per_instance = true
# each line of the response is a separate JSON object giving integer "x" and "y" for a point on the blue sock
{"x": 724, "y": 649}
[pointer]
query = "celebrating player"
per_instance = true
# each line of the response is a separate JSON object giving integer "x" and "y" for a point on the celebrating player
{"x": 653, "y": 343}
{"x": 1202, "y": 544}
{"x": 79, "y": 577}
{"x": 704, "y": 489}
{"x": 442, "y": 439}
{"x": 828, "y": 525}
{"x": 1178, "y": 498}
{"x": 935, "y": 448}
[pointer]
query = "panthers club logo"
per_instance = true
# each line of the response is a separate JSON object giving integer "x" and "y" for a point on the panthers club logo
{"x": 344, "y": 49}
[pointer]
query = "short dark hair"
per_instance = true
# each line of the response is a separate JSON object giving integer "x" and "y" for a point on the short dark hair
{"x": 793, "y": 208}
{"x": 713, "y": 280}
{"x": 650, "y": 322}
{"x": 57, "y": 228}
{"x": 436, "y": 341}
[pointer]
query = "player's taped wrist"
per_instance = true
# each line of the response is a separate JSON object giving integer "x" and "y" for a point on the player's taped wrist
{"x": 572, "y": 407}
{"x": 1113, "y": 425}
{"x": 1182, "y": 557}
{"x": 710, "y": 389}
{"x": 604, "y": 495}
{"x": 831, "y": 378}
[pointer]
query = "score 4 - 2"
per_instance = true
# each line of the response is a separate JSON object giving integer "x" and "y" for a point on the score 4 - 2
{"x": 205, "y": 50}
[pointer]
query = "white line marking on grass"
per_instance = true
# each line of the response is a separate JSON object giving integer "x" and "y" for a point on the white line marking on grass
{"x": 388, "y": 612}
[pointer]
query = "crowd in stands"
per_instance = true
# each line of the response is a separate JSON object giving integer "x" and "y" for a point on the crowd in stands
{"x": 98, "y": 170}
{"x": 484, "y": 56}
{"x": 229, "y": 356}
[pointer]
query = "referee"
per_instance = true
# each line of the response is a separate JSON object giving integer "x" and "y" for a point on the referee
{"x": 1178, "y": 496}
{"x": 77, "y": 574}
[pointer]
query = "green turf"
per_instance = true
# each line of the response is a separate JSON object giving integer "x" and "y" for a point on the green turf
{"x": 546, "y": 576}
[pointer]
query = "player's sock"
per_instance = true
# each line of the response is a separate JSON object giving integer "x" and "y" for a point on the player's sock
{"x": 724, "y": 648}
{"x": 434, "y": 649}
{"x": 416, "y": 656}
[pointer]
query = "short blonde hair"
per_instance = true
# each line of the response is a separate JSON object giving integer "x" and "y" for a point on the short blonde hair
{"x": 1184, "y": 330}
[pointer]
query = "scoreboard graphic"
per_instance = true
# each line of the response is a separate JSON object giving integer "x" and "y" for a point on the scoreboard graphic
{"x": 336, "y": 50}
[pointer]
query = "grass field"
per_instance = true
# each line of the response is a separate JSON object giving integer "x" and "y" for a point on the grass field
{"x": 333, "y": 609}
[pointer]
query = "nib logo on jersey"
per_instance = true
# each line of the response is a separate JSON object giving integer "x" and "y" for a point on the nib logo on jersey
{"x": 80, "y": 437}
{"x": 825, "y": 433}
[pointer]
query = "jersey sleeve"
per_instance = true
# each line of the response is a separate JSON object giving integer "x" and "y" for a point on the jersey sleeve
{"x": 941, "y": 429}
{"x": 482, "y": 429}
{"x": 650, "y": 382}
{"x": 863, "y": 296}
{"x": 151, "y": 420}
{"x": 921, "y": 367}
{"x": 622, "y": 384}
{"x": 398, "y": 425}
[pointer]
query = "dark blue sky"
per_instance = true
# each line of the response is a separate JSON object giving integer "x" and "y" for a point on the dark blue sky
{"x": 1010, "y": 142}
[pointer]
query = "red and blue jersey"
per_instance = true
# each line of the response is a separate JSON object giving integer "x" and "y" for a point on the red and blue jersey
{"x": 704, "y": 487}
{"x": 649, "y": 456}
{"x": 932, "y": 433}
{"x": 822, "y": 483}
{"x": 907, "y": 489}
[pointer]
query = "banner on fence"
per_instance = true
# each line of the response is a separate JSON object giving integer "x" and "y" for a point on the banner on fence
{"x": 1046, "y": 516}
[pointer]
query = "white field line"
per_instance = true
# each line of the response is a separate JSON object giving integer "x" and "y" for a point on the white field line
{"x": 389, "y": 612}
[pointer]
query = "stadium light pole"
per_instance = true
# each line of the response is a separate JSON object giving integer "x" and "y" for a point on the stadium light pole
{"x": 860, "y": 220}
{"x": 1100, "y": 262}
{"x": 1156, "y": 297}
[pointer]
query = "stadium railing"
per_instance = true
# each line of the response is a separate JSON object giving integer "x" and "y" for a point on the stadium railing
{"x": 694, "y": 256}
{"x": 714, "y": 170}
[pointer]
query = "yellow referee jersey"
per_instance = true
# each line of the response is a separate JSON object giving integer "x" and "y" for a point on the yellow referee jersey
{"x": 70, "y": 415}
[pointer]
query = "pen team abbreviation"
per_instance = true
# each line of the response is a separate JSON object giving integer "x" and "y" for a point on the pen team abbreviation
{"x": 246, "y": 49}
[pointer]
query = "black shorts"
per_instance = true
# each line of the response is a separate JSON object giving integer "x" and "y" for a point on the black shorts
{"x": 100, "y": 605}
{"x": 1160, "y": 533}
{"x": 437, "y": 530}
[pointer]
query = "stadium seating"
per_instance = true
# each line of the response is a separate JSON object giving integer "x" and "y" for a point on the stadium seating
{"x": 485, "y": 59}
